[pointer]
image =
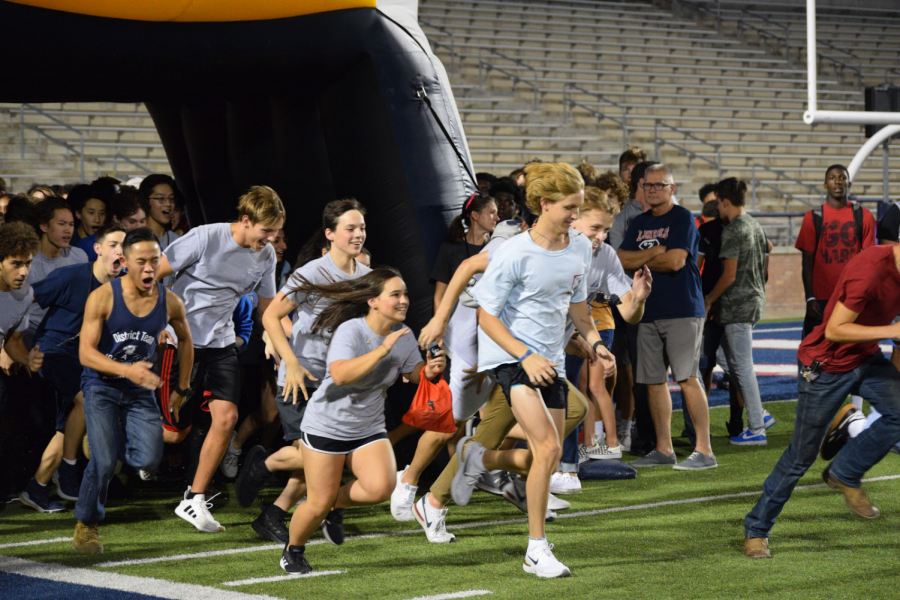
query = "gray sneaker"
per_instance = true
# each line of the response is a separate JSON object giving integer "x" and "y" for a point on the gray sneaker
{"x": 655, "y": 458}
{"x": 471, "y": 468}
{"x": 697, "y": 461}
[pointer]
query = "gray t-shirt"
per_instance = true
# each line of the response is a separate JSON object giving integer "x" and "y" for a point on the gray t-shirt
{"x": 42, "y": 266}
{"x": 212, "y": 272}
{"x": 15, "y": 306}
{"x": 356, "y": 411}
{"x": 623, "y": 221}
{"x": 745, "y": 299}
{"x": 311, "y": 349}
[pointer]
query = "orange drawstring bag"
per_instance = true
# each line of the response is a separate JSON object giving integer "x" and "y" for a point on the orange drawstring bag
{"x": 432, "y": 407}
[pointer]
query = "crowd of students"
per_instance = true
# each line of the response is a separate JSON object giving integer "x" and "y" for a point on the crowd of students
{"x": 564, "y": 299}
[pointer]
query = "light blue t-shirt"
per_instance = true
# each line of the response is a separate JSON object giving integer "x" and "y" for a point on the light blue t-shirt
{"x": 530, "y": 289}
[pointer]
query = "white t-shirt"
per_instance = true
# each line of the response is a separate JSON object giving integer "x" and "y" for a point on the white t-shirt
{"x": 311, "y": 349}
{"x": 530, "y": 289}
{"x": 212, "y": 272}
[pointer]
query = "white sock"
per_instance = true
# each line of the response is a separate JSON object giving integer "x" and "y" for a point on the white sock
{"x": 599, "y": 432}
{"x": 535, "y": 543}
{"x": 856, "y": 401}
{"x": 69, "y": 462}
{"x": 857, "y": 427}
{"x": 627, "y": 425}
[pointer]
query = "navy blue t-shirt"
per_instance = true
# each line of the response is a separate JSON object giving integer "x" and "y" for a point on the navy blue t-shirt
{"x": 674, "y": 295}
{"x": 87, "y": 244}
{"x": 64, "y": 292}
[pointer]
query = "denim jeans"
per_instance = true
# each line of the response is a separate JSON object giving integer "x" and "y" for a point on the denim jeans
{"x": 738, "y": 344}
{"x": 877, "y": 381}
{"x": 112, "y": 413}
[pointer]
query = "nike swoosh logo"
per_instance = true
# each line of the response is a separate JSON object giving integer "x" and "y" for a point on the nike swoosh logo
{"x": 424, "y": 514}
{"x": 533, "y": 561}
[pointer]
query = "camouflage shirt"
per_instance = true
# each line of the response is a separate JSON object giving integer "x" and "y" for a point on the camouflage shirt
{"x": 743, "y": 302}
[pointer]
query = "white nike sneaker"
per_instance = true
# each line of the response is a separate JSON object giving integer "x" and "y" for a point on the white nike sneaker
{"x": 229, "y": 464}
{"x": 563, "y": 483}
{"x": 554, "y": 503}
{"x": 402, "y": 499}
{"x": 196, "y": 512}
{"x": 539, "y": 560}
{"x": 514, "y": 492}
{"x": 433, "y": 521}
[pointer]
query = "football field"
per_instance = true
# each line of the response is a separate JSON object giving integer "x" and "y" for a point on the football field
{"x": 665, "y": 534}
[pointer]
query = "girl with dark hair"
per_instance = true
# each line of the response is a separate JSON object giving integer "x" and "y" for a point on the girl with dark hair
{"x": 468, "y": 234}
{"x": 344, "y": 423}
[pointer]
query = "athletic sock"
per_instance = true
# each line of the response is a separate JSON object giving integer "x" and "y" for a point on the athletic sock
{"x": 534, "y": 543}
{"x": 69, "y": 462}
{"x": 190, "y": 495}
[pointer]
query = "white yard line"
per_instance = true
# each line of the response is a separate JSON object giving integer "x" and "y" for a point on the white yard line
{"x": 777, "y": 330}
{"x": 150, "y": 586}
{"x": 466, "y": 594}
{"x": 281, "y": 578}
{"x": 474, "y": 525}
{"x": 35, "y": 542}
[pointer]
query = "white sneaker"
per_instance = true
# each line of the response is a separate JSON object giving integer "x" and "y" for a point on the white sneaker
{"x": 514, "y": 492}
{"x": 563, "y": 483}
{"x": 402, "y": 499}
{"x": 625, "y": 440}
{"x": 539, "y": 560}
{"x": 229, "y": 464}
{"x": 604, "y": 452}
{"x": 196, "y": 512}
{"x": 554, "y": 503}
{"x": 433, "y": 521}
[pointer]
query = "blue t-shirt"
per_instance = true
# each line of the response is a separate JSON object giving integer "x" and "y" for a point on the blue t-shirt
{"x": 64, "y": 292}
{"x": 675, "y": 295}
{"x": 87, "y": 244}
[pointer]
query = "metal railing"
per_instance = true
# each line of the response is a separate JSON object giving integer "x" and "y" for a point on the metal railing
{"x": 754, "y": 182}
{"x": 658, "y": 142}
{"x": 23, "y": 126}
{"x": 742, "y": 25}
{"x": 485, "y": 67}
{"x": 568, "y": 103}
{"x": 454, "y": 57}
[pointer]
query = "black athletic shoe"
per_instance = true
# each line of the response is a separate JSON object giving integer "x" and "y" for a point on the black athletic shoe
{"x": 838, "y": 433}
{"x": 270, "y": 524}
{"x": 293, "y": 560}
{"x": 252, "y": 477}
{"x": 333, "y": 527}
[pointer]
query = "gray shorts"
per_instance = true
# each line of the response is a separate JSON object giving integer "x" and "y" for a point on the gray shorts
{"x": 291, "y": 414}
{"x": 669, "y": 343}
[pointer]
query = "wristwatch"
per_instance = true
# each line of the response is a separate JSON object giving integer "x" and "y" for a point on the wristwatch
{"x": 183, "y": 392}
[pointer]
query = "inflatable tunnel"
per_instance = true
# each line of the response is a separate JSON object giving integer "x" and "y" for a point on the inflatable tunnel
{"x": 319, "y": 99}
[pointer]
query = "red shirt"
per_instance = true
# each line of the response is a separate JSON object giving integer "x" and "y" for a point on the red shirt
{"x": 838, "y": 243}
{"x": 869, "y": 286}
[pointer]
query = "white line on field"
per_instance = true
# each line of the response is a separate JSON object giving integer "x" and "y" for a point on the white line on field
{"x": 35, "y": 542}
{"x": 281, "y": 578}
{"x": 466, "y": 594}
{"x": 474, "y": 525}
{"x": 149, "y": 586}
{"x": 777, "y": 330}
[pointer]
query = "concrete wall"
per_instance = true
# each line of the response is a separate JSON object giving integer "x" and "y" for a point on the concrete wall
{"x": 784, "y": 291}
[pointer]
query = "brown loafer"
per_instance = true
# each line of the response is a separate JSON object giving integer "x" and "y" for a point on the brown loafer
{"x": 757, "y": 548}
{"x": 855, "y": 498}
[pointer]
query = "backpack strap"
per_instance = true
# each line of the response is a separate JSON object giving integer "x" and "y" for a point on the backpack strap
{"x": 817, "y": 219}
{"x": 858, "y": 221}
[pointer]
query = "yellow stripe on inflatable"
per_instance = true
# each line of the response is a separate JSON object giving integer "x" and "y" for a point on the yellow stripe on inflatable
{"x": 197, "y": 10}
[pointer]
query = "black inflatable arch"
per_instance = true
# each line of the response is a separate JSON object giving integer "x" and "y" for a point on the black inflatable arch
{"x": 319, "y": 107}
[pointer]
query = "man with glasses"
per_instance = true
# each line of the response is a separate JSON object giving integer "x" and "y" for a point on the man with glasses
{"x": 159, "y": 191}
{"x": 665, "y": 239}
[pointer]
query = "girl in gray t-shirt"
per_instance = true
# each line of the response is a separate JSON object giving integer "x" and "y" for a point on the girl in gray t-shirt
{"x": 344, "y": 421}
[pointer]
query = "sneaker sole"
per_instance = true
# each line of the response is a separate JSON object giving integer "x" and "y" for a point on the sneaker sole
{"x": 532, "y": 570}
{"x": 564, "y": 492}
{"x": 762, "y": 443}
{"x": 707, "y": 468}
{"x": 24, "y": 499}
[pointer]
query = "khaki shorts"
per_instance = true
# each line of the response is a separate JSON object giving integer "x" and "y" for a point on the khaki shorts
{"x": 667, "y": 343}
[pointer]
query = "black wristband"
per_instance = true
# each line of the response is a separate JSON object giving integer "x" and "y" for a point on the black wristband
{"x": 182, "y": 392}
{"x": 601, "y": 343}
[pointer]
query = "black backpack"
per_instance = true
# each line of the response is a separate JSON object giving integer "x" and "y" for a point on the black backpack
{"x": 818, "y": 218}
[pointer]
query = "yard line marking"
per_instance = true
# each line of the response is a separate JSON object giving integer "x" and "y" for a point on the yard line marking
{"x": 473, "y": 525}
{"x": 35, "y": 542}
{"x": 281, "y": 578}
{"x": 777, "y": 330}
{"x": 149, "y": 586}
{"x": 466, "y": 594}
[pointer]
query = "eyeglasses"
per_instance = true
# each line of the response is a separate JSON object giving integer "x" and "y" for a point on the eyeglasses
{"x": 163, "y": 199}
{"x": 656, "y": 186}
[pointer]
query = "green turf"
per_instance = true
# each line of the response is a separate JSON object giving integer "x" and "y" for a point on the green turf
{"x": 691, "y": 550}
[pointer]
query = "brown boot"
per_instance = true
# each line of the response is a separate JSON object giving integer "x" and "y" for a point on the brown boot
{"x": 87, "y": 539}
{"x": 757, "y": 548}
{"x": 855, "y": 498}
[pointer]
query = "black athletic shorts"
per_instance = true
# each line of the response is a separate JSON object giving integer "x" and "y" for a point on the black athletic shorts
{"x": 166, "y": 366}
{"x": 63, "y": 373}
{"x": 216, "y": 371}
{"x": 510, "y": 375}
{"x": 292, "y": 414}
{"x": 331, "y": 446}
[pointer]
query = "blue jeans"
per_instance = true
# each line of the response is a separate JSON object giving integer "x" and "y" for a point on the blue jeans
{"x": 738, "y": 344}
{"x": 877, "y": 381}
{"x": 107, "y": 410}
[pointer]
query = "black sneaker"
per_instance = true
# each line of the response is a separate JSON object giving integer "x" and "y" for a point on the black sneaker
{"x": 35, "y": 495}
{"x": 68, "y": 482}
{"x": 293, "y": 560}
{"x": 838, "y": 433}
{"x": 270, "y": 524}
{"x": 333, "y": 527}
{"x": 252, "y": 477}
